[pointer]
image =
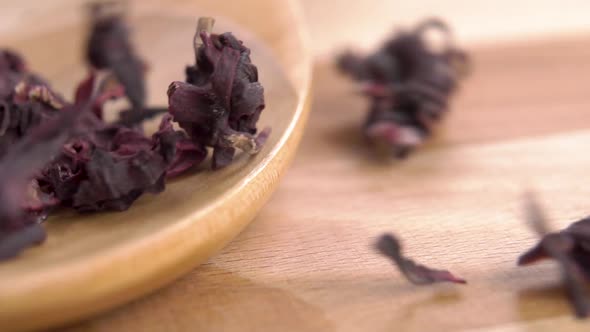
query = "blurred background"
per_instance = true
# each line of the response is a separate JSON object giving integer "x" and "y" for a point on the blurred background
{"x": 335, "y": 24}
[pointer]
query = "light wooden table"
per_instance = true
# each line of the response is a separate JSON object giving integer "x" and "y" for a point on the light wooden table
{"x": 305, "y": 264}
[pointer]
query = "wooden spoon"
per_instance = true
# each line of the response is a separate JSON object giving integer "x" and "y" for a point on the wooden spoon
{"x": 91, "y": 263}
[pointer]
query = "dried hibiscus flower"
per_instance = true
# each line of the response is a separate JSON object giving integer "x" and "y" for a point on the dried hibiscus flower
{"x": 69, "y": 157}
{"x": 110, "y": 169}
{"x": 108, "y": 166}
{"x": 409, "y": 85}
{"x": 221, "y": 101}
{"x": 55, "y": 153}
{"x": 570, "y": 248}
{"x": 389, "y": 246}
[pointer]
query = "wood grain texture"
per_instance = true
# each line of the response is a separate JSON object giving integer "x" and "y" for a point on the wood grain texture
{"x": 93, "y": 262}
{"x": 306, "y": 263}
{"x": 339, "y": 23}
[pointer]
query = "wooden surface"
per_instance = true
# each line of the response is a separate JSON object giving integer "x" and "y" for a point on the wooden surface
{"x": 306, "y": 263}
{"x": 521, "y": 121}
{"x": 338, "y": 23}
{"x": 93, "y": 262}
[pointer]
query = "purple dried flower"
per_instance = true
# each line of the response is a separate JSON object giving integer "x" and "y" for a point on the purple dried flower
{"x": 222, "y": 101}
{"x": 408, "y": 84}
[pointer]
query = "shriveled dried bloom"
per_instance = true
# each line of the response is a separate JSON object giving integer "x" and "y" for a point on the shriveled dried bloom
{"x": 220, "y": 104}
{"x": 408, "y": 84}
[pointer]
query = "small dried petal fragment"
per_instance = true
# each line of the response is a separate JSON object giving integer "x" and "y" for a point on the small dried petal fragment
{"x": 417, "y": 274}
{"x": 570, "y": 248}
{"x": 109, "y": 47}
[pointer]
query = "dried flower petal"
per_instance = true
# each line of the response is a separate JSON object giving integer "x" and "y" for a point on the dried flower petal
{"x": 109, "y": 47}
{"x": 26, "y": 100}
{"x": 12, "y": 243}
{"x": 417, "y": 274}
{"x": 221, "y": 104}
{"x": 20, "y": 163}
{"x": 185, "y": 155}
{"x": 114, "y": 184}
{"x": 570, "y": 248}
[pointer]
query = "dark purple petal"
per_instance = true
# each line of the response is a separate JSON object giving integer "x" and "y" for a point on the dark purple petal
{"x": 187, "y": 156}
{"x": 21, "y": 163}
{"x": 114, "y": 183}
{"x": 222, "y": 157}
{"x": 580, "y": 231}
{"x": 417, "y": 274}
{"x": 248, "y": 103}
{"x": 569, "y": 248}
{"x": 262, "y": 137}
{"x": 109, "y": 47}
{"x": 533, "y": 255}
{"x": 13, "y": 242}
{"x": 197, "y": 111}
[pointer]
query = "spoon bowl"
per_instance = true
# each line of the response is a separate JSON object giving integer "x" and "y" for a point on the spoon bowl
{"x": 94, "y": 262}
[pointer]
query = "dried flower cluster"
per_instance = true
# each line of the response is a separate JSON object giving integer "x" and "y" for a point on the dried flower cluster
{"x": 60, "y": 153}
{"x": 409, "y": 86}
